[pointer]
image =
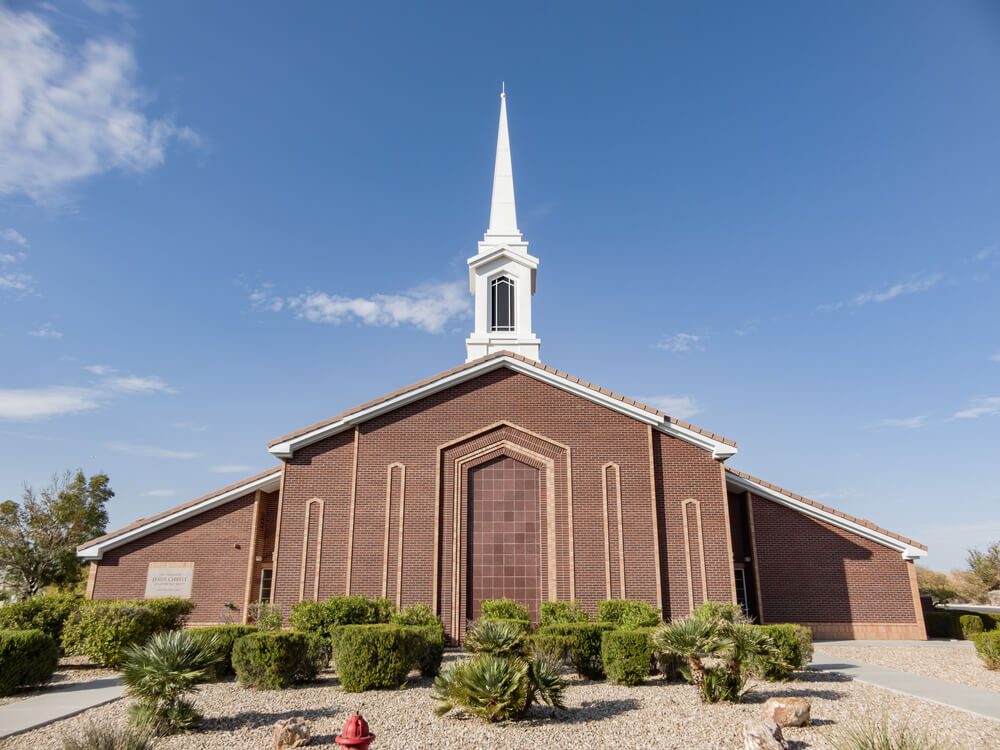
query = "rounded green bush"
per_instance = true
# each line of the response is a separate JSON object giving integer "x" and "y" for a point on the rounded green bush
{"x": 320, "y": 617}
{"x": 225, "y": 637}
{"x": 27, "y": 657}
{"x": 371, "y": 657}
{"x": 431, "y": 649}
{"x": 47, "y": 613}
{"x": 627, "y": 655}
{"x": 170, "y": 612}
{"x": 988, "y": 648}
{"x": 794, "y": 644}
{"x": 275, "y": 659}
{"x": 628, "y": 613}
{"x": 577, "y": 642}
{"x": 503, "y": 609}
{"x": 102, "y": 630}
{"x": 970, "y": 624}
{"x": 554, "y": 613}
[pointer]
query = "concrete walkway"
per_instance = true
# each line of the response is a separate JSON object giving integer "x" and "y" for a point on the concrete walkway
{"x": 58, "y": 703}
{"x": 976, "y": 701}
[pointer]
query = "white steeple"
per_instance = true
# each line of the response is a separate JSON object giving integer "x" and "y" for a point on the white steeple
{"x": 502, "y": 273}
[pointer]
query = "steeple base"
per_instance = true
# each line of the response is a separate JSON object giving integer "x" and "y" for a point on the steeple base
{"x": 476, "y": 347}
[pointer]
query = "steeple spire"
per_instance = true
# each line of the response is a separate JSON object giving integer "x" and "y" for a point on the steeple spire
{"x": 503, "y": 215}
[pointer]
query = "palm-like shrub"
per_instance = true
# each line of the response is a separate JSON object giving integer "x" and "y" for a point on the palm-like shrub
{"x": 499, "y": 688}
{"x": 720, "y": 655}
{"x": 96, "y": 737}
{"x": 497, "y": 637}
{"x": 160, "y": 673}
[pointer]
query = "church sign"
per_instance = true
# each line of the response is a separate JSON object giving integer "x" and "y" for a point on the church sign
{"x": 165, "y": 579}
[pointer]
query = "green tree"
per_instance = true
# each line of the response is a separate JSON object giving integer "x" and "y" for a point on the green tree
{"x": 985, "y": 566}
{"x": 39, "y": 536}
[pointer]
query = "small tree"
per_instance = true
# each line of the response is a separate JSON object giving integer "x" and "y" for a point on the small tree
{"x": 985, "y": 566}
{"x": 39, "y": 536}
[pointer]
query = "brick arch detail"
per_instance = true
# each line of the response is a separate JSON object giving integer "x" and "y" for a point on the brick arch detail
{"x": 554, "y": 463}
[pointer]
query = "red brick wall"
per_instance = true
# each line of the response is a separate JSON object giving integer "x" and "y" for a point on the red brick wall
{"x": 208, "y": 540}
{"x": 685, "y": 472}
{"x": 812, "y": 572}
{"x": 411, "y": 435}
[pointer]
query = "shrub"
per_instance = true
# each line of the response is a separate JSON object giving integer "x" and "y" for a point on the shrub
{"x": 278, "y": 659}
{"x": 266, "y": 616}
{"x": 27, "y": 657}
{"x": 161, "y": 672}
{"x": 627, "y": 655}
{"x": 46, "y": 613}
{"x": 503, "y": 609}
{"x": 95, "y": 737}
{"x": 562, "y": 612}
{"x": 420, "y": 616}
{"x": 879, "y": 736}
{"x": 794, "y": 644}
{"x": 224, "y": 637}
{"x": 719, "y": 612}
{"x": 971, "y": 625}
{"x": 576, "y": 642}
{"x": 431, "y": 649}
{"x": 988, "y": 648}
{"x": 498, "y": 688}
{"x": 376, "y": 656}
{"x": 628, "y": 613}
{"x": 498, "y": 637}
{"x": 320, "y": 617}
{"x": 102, "y": 630}
{"x": 170, "y": 613}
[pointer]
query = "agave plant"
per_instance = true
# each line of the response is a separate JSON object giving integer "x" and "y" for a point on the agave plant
{"x": 161, "y": 672}
{"x": 497, "y": 637}
{"x": 499, "y": 688}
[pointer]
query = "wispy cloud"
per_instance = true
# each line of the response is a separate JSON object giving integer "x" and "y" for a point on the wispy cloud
{"x": 680, "y": 342}
{"x": 190, "y": 426}
{"x": 428, "y": 307}
{"x": 988, "y": 406}
{"x": 901, "y": 423}
{"x": 12, "y": 235}
{"x": 995, "y": 357}
{"x": 45, "y": 331}
{"x": 71, "y": 111}
{"x": 987, "y": 252}
{"x": 159, "y": 493}
{"x": 913, "y": 286}
{"x": 681, "y": 407}
{"x": 150, "y": 451}
{"x": 16, "y": 282}
{"x": 26, "y": 404}
{"x": 138, "y": 384}
{"x": 231, "y": 469}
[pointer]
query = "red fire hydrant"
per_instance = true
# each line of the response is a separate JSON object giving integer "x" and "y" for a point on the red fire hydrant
{"x": 355, "y": 734}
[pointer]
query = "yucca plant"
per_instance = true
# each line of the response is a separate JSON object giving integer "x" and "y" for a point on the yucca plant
{"x": 161, "y": 672}
{"x": 95, "y": 737}
{"x": 880, "y": 736}
{"x": 499, "y": 688}
{"x": 497, "y": 637}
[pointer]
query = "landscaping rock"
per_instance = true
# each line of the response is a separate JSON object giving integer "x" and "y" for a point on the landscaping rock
{"x": 763, "y": 735}
{"x": 787, "y": 712}
{"x": 289, "y": 733}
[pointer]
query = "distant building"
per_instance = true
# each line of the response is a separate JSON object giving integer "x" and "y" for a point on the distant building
{"x": 507, "y": 477}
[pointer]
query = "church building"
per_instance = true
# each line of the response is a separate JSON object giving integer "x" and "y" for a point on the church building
{"x": 507, "y": 477}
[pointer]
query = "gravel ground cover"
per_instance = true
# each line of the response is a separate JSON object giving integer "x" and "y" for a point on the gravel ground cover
{"x": 602, "y": 715}
{"x": 952, "y": 661}
{"x": 67, "y": 674}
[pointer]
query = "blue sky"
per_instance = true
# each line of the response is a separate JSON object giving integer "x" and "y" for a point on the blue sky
{"x": 778, "y": 220}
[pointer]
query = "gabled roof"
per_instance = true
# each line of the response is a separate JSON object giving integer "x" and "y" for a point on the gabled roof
{"x": 909, "y": 548}
{"x": 721, "y": 448}
{"x": 266, "y": 481}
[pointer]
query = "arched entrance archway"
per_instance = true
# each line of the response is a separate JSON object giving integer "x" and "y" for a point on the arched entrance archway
{"x": 504, "y": 535}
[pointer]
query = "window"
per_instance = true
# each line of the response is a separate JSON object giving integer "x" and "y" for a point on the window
{"x": 741, "y": 590}
{"x": 266, "y": 577}
{"x": 502, "y": 304}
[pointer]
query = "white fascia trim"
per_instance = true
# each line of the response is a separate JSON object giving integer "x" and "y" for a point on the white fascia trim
{"x": 96, "y": 551}
{"x": 908, "y": 551}
{"x": 523, "y": 258}
{"x": 287, "y": 448}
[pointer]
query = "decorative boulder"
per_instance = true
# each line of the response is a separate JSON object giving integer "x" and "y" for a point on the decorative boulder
{"x": 994, "y": 597}
{"x": 289, "y": 733}
{"x": 763, "y": 735}
{"x": 786, "y": 712}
